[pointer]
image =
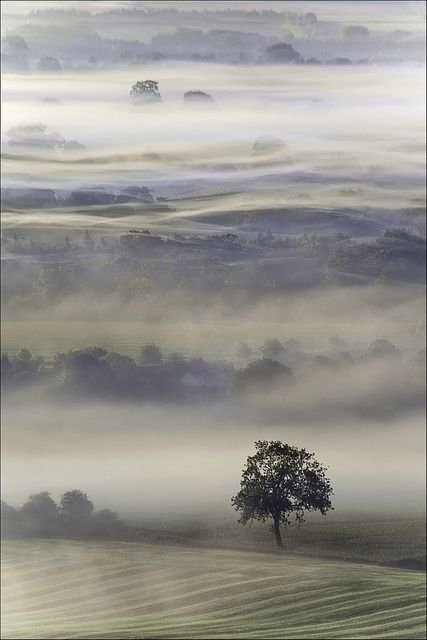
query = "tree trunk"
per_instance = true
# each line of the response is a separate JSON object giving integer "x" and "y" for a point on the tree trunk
{"x": 277, "y": 534}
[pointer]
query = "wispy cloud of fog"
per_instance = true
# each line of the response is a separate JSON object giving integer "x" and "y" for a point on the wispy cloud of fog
{"x": 300, "y": 98}
{"x": 353, "y": 138}
{"x": 160, "y": 459}
{"x": 376, "y": 310}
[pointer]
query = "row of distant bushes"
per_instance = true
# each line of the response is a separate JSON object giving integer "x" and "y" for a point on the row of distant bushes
{"x": 74, "y": 516}
{"x": 155, "y": 375}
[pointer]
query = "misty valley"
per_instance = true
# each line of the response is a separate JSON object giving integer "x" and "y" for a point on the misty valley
{"x": 213, "y": 364}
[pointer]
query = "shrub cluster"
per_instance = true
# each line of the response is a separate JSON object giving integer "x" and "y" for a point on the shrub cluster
{"x": 73, "y": 517}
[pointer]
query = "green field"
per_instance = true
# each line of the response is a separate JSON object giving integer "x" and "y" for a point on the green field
{"x": 76, "y": 589}
{"x": 393, "y": 539}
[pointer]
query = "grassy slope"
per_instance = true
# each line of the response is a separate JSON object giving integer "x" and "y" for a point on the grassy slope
{"x": 63, "y": 589}
{"x": 353, "y": 536}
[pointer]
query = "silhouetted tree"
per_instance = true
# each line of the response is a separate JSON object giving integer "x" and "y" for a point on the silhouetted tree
{"x": 272, "y": 348}
{"x": 40, "y": 515}
{"x": 11, "y": 525}
{"x": 281, "y": 481}
{"x": 123, "y": 367}
{"x": 175, "y": 364}
{"x": 281, "y": 53}
{"x": 310, "y": 19}
{"x": 146, "y": 90}
{"x": 25, "y": 366}
{"x": 151, "y": 354}
{"x": 26, "y": 362}
{"x": 106, "y": 523}
{"x": 262, "y": 373}
{"x": 76, "y": 512}
{"x": 85, "y": 371}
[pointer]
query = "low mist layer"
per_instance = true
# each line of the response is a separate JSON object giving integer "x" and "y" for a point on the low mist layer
{"x": 342, "y": 130}
{"x": 193, "y": 458}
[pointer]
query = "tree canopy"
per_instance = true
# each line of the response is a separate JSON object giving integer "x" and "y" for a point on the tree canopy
{"x": 263, "y": 373}
{"x": 151, "y": 354}
{"x": 76, "y": 510}
{"x": 148, "y": 90}
{"x": 281, "y": 52}
{"x": 272, "y": 348}
{"x": 281, "y": 481}
{"x": 197, "y": 96}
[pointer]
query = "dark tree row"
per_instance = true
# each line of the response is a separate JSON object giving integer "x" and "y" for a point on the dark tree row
{"x": 94, "y": 371}
{"x": 74, "y": 516}
{"x": 142, "y": 265}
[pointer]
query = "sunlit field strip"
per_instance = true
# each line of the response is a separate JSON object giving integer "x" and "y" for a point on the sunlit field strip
{"x": 123, "y": 590}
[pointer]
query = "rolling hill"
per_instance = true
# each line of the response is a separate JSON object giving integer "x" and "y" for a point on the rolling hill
{"x": 77, "y": 589}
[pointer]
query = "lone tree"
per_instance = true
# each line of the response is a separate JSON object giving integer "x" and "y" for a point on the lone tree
{"x": 146, "y": 90}
{"x": 280, "y": 481}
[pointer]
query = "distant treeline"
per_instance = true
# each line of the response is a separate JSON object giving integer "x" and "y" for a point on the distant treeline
{"x": 141, "y": 265}
{"x": 96, "y": 372}
{"x": 74, "y": 39}
{"x": 73, "y": 517}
